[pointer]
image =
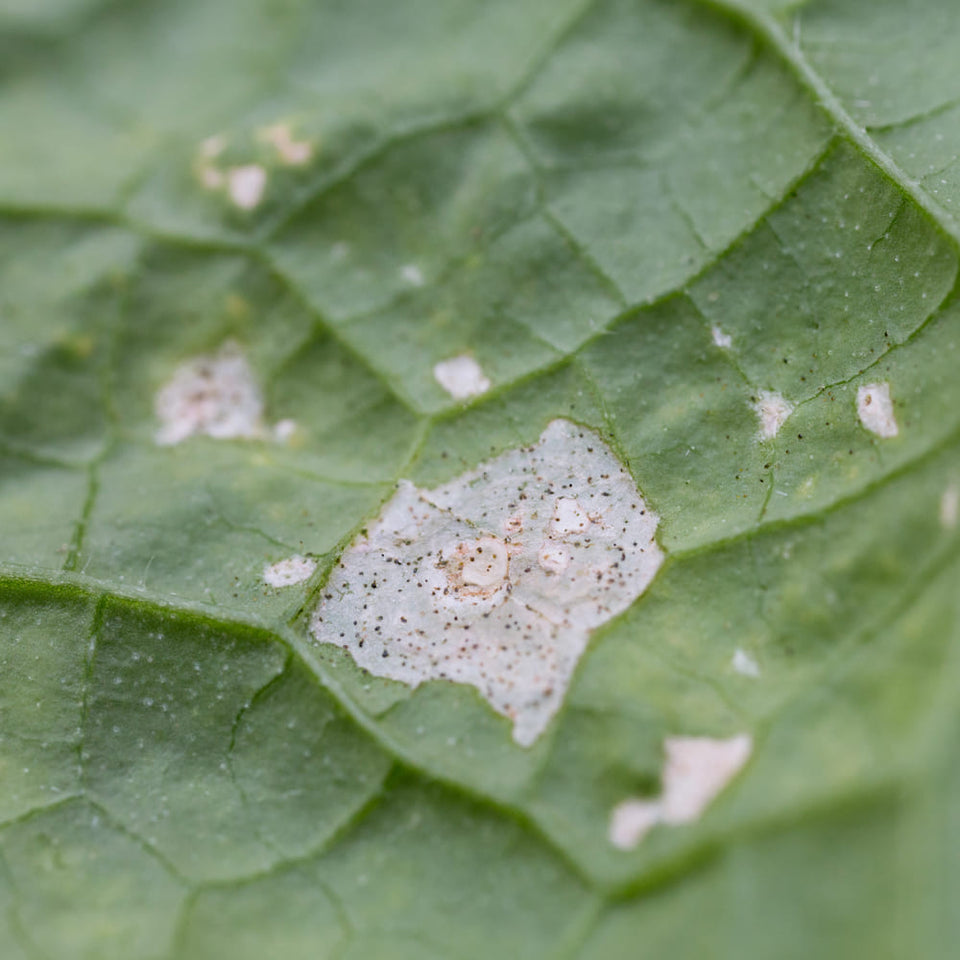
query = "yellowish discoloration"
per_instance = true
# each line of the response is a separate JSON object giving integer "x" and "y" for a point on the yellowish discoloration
{"x": 205, "y": 166}
{"x": 290, "y": 151}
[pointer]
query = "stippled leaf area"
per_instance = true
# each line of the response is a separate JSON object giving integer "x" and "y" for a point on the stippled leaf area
{"x": 292, "y": 289}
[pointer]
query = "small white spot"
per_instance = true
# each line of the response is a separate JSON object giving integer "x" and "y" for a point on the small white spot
{"x": 772, "y": 410}
{"x": 875, "y": 409}
{"x": 215, "y": 395}
{"x": 745, "y": 664}
{"x": 949, "y": 507}
{"x": 721, "y": 339}
{"x": 631, "y": 821}
{"x": 696, "y": 770}
{"x": 461, "y": 377}
{"x": 412, "y": 274}
{"x": 246, "y": 185}
{"x": 285, "y": 573}
{"x": 284, "y": 430}
{"x": 293, "y": 153}
{"x": 474, "y": 582}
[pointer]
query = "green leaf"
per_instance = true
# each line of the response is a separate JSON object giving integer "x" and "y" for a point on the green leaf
{"x": 262, "y": 260}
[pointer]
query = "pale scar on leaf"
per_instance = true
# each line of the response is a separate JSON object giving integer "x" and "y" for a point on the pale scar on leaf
{"x": 497, "y": 578}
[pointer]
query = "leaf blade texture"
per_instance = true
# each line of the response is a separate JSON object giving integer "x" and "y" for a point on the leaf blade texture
{"x": 261, "y": 262}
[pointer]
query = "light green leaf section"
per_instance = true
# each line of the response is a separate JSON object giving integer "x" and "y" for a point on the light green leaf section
{"x": 649, "y": 217}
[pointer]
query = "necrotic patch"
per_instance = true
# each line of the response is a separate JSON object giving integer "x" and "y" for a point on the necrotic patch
{"x": 772, "y": 411}
{"x": 744, "y": 664}
{"x": 246, "y": 185}
{"x": 291, "y": 152}
{"x": 285, "y": 573}
{"x": 875, "y": 409}
{"x": 696, "y": 770}
{"x": 462, "y": 377}
{"x": 721, "y": 339}
{"x": 216, "y": 395}
{"x": 497, "y": 578}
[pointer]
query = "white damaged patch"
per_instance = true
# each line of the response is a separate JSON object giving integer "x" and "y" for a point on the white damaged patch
{"x": 772, "y": 411}
{"x": 723, "y": 340}
{"x": 497, "y": 578}
{"x": 695, "y": 771}
{"x": 412, "y": 274}
{"x": 461, "y": 377}
{"x": 744, "y": 664}
{"x": 216, "y": 395}
{"x": 246, "y": 185}
{"x": 285, "y": 430}
{"x": 631, "y": 821}
{"x": 875, "y": 409}
{"x": 285, "y": 573}
{"x": 290, "y": 151}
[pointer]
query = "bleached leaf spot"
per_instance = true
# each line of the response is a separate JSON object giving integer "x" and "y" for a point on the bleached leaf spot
{"x": 723, "y": 340}
{"x": 744, "y": 664}
{"x": 697, "y": 769}
{"x": 949, "y": 507}
{"x": 631, "y": 821}
{"x": 695, "y": 772}
{"x": 772, "y": 411}
{"x": 477, "y": 582}
{"x": 875, "y": 409}
{"x": 285, "y": 430}
{"x": 216, "y": 395}
{"x": 291, "y": 152}
{"x": 246, "y": 185}
{"x": 412, "y": 274}
{"x": 461, "y": 377}
{"x": 285, "y": 573}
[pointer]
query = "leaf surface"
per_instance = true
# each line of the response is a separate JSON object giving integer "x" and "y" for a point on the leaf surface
{"x": 705, "y": 231}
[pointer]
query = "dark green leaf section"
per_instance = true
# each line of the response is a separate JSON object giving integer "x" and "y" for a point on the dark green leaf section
{"x": 641, "y": 216}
